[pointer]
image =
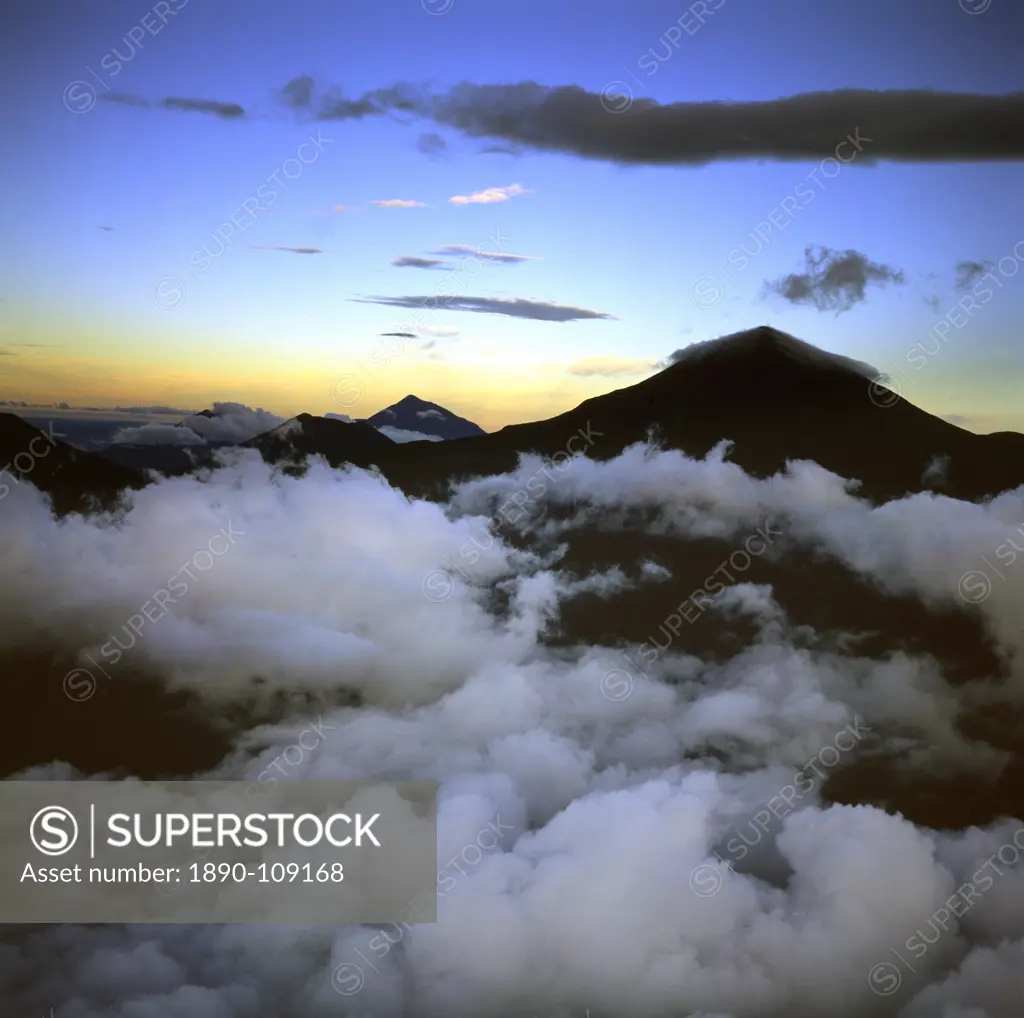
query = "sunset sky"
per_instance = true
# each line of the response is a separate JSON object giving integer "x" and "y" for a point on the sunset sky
{"x": 117, "y": 289}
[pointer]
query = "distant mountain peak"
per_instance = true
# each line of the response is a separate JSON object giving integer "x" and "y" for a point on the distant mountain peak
{"x": 413, "y": 414}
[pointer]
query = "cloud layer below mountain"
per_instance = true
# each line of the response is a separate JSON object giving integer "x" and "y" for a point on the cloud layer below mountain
{"x": 613, "y": 785}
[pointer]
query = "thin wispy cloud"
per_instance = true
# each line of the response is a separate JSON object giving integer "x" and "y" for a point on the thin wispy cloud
{"x": 489, "y": 195}
{"x": 293, "y": 250}
{"x": 412, "y": 262}
{"x": 441, "y": 331}
{"x": 492, "y": 256}
{"x": 610, "y": 367}
{"x": 515, "y": 307}
{"x": 431, "y": 144}
{"x": 399, "y": 203}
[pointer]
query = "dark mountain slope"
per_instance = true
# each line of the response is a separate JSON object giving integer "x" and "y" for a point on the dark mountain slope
{"x": 77, "y": 481}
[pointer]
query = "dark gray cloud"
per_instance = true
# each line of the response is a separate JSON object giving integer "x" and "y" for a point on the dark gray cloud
{"x": 833, "y": 280}
{"x": 516, "y": 307}
{"x": 968, "y": 272}
{"x": 912, "y": 125}
{"x": 335, "y": 105}
{"x": 226, "y": 111}
{"x": 915, "y": 125}
{"x": 400, "y": 335}
{"x": 298, "y": 93}
{"x": 411, "y": 262}
{"x": 431, "y": 144}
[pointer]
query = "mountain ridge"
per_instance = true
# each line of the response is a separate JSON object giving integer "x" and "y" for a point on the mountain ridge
{"x": 773, "y": 397}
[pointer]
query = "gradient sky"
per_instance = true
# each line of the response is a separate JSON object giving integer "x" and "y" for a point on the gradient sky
{"x": 81, "y": 319}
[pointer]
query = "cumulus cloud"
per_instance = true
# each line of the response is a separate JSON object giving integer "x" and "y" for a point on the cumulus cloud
{"x": 610, "y": 367}
{"x": 158, "y": 434}
{"x": 513, "y": 307}
{"x": 226, "y": 422}
{"x": 399, "y": 203}
{"x": 834, "y": 280}
{"x": 614, "y": 812}
{"x": 489, "y": 195}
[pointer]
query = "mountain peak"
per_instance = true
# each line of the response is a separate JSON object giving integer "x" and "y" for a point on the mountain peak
{"x": 416, "y": 415}
{"x": 765, "y": 341}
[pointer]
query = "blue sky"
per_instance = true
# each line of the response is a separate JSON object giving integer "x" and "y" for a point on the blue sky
{"x": 277, "y": 328}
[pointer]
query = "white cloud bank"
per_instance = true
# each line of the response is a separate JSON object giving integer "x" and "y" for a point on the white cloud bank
{"x": 607, "y": 804}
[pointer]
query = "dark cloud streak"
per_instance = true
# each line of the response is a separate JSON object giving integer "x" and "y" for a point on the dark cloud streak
{"x": 226, "y": 111}
{"x": 411, "y": 262}
{"x": 513, "y": 308}
{"x": 913, "y": 125}
{"x": 292, "y": 250}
